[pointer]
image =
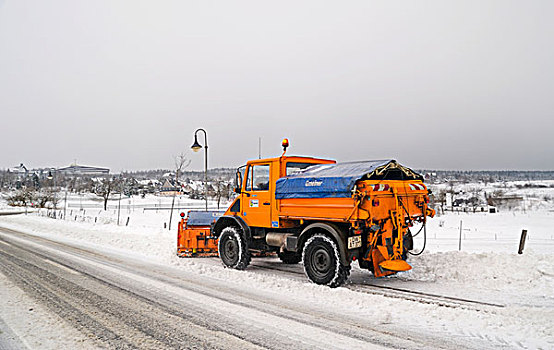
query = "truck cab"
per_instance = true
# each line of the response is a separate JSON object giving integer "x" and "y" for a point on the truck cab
{"x": 256, "y": 204}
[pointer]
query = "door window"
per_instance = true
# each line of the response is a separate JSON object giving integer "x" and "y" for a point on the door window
{"x": 258, "y": 178}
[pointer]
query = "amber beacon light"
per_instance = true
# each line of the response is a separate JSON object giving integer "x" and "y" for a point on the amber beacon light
{"x": 285, "y": 144}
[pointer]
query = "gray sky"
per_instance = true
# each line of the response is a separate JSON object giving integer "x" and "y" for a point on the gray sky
{"x": 124, "y": 84}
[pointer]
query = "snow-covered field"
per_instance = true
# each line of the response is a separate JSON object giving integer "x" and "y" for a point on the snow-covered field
{"x": 487, "y": 268}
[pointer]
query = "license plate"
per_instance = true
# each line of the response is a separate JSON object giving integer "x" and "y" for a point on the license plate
{"x": 354, "y": 242}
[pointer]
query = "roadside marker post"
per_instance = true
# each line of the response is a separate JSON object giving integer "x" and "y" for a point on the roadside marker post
{"x": 522, "y": 241}
{"x": 460, "y": 240}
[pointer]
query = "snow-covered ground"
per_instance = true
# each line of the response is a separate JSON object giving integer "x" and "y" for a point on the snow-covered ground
{"x": 487, "y": 268}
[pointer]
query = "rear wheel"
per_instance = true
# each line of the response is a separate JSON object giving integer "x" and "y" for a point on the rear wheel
{"x": 322, "y": 261}
{"x": 233, "y": 248}
{"x": 290, "y": 257}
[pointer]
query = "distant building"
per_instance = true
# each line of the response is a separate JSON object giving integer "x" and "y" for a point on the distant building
{"x": 169, "y": 188}
{"x": 75, "y": 169}
{"x": 21, "y": 169}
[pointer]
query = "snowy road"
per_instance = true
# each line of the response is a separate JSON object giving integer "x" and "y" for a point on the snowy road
{"x": 119, "y": 303}
{"x": 131, "y": 293}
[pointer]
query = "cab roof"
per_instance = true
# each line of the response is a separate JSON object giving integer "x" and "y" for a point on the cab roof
{"x": 293, "y": 158}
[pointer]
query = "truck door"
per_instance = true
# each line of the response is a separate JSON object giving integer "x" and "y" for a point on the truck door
{"x": 256, "y": 197}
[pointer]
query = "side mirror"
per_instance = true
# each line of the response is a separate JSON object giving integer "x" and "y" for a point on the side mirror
{"x": 238, "y": 181}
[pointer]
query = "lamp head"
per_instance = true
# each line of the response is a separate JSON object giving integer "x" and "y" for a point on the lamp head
{"x": 196, "y": 146}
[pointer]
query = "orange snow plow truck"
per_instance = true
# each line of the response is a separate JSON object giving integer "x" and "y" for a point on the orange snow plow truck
{"x": 317, "y": 211}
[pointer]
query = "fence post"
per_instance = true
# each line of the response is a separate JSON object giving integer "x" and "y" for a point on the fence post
{"x": 460, "y": 240}
{"x": 522, "y": 241}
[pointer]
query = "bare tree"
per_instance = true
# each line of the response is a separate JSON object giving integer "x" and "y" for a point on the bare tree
{"x": 181, "y": 162}
{"x": 475, "y": 199}
{"x": 44, "y": 196}
{"x": 106, "y": 187}
{"x": 221, "y": 189}
{"x": 440, "y": 198}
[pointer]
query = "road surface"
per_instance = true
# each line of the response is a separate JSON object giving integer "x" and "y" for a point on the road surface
{"x": 121, "y": 303}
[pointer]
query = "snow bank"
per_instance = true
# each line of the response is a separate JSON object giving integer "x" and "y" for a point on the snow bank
{"x": 493, "y": 270}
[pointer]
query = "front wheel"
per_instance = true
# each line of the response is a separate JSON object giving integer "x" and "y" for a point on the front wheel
{"x": 233, "y": 248}
{"x": 322, "y": 262}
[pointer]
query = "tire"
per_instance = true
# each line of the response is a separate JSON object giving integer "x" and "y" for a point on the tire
{"x": 233, "y": 248}
{"x": 290, "y": 257}
{"x": 322, "y": 262}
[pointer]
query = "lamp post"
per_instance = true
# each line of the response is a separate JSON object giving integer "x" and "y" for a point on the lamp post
{"x": 197, "y": 147}
{"x": 51, "y": 177}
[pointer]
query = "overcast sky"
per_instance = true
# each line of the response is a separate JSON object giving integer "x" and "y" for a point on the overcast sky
{"x": 124, "y": 84}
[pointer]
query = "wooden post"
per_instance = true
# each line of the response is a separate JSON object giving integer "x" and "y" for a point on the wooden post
{"x": 460, "y": 241}
{"x": 522, "y": 241}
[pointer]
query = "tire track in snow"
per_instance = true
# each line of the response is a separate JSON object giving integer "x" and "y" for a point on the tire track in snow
{"x": 295, "y": 316}
{"x": 309, "y": 333}
{"x": 114, "y": 317}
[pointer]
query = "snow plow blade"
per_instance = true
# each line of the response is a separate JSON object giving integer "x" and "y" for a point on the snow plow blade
{"x": 194, "y": 237}
{"x": 395, "y": 265}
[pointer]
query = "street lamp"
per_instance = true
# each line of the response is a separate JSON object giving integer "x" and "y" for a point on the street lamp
{"x": 50, "y": 177}
{"x": 197, "y": 147}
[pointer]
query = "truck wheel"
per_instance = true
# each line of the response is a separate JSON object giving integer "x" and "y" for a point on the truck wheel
{"x": 322, "y": 261}
{"x": 290, "y": 257}
{"x": 233, "y": 248}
